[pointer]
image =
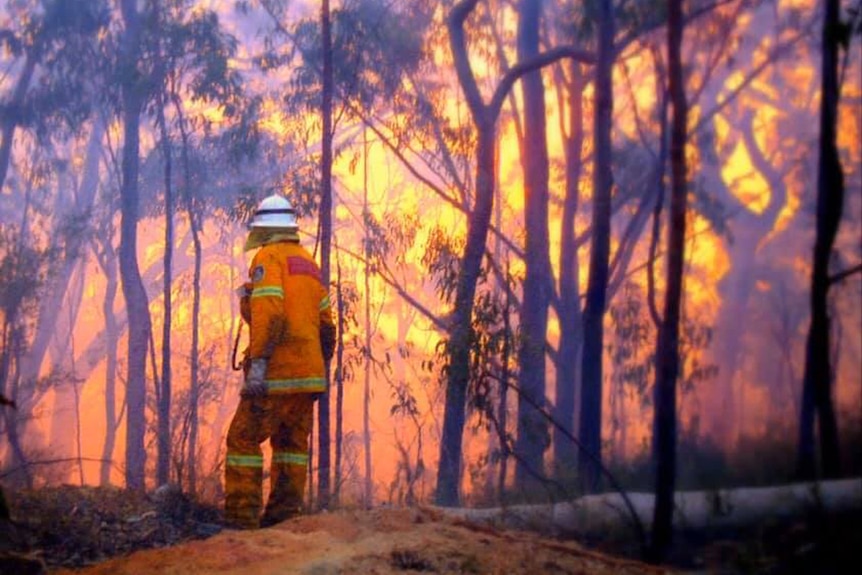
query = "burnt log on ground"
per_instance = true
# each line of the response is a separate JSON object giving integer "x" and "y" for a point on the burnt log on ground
{"x": 606, "y": 516}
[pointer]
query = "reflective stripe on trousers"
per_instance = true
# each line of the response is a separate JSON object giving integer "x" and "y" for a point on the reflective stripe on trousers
{"x": 284, "y": 419}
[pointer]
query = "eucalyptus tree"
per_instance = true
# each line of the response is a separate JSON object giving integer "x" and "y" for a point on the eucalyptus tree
{"x": 134, "y": 87}
{"x": 24, "y": 269}
{"x": 350, "y": 62}
{"x": 191, "y": 52}
{"x": 667, "y": 348}
{"x": 533, "y": 436}
{"x": 51, "y": 49}
{"x": 325, "y": 226}
{"x": 58, "y": 43}
{"x": 484, "y": 115}
{"x": 50, "y": 40}
{"x": 591, "y": 365}
{"x": 102, "y": 246}
{"x": 817, "y": 400}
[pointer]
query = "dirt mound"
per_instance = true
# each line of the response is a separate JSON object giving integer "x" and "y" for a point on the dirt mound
{"x": 92, "y": 530}
{"x": 379, "y": 541}
{"x": 87, "y": 530}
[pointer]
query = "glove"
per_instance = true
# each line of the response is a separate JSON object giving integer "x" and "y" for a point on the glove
{"x": 254, "y": 385}
{"x": 244, "y": 293}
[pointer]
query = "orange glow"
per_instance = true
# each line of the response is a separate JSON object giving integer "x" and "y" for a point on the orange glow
{"x": 775, "y": 260}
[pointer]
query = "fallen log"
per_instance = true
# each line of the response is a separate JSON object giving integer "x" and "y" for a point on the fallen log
{"x": 606, "y": 516}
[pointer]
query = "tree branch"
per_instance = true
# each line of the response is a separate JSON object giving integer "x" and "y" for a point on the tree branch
{"x": 841, "y": 276}
{"x": 540, "y": 61}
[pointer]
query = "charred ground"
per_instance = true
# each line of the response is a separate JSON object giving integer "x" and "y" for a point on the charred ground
{"x": 72, "y": 528}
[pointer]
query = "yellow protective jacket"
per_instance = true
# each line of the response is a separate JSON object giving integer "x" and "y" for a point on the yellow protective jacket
{"x": 289, "y": 305}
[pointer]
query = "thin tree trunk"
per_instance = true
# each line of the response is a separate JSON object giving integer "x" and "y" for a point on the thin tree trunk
{"x": 133, "y": 288}
{"x": 503, "y": 407}
{"x": 590, "y": 423}
{"x": 194, "y": 367}
{"x": 325, "y": 240}
{"x": 533, "y": 437}
{"x": 108, "y": 264}
{"x": 339, "y": 384}
{"x": 571, "y": 324}
{"x": 195, "y": 384}
{"x": 449, "y": 471}
{"x": 366, "y": 392}
{"x": 667, "y": 349}
{"x": 164, "y": 400}
{"x": 817, "y": 378}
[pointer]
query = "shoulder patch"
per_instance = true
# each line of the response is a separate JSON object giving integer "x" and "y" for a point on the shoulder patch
{"x": 257, "y": 274}
{"x": 297, "y": 266}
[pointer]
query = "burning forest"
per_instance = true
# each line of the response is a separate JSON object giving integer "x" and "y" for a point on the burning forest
{"x": 572, "y": 256}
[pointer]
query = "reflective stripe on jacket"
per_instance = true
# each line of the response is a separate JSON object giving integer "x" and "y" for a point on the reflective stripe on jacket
{"x": 288, "y": 306}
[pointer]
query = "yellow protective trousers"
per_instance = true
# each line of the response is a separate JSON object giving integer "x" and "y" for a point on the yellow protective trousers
{"x": 286, "y": 420}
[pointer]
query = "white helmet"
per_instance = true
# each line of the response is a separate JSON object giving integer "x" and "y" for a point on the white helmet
{"x": 274, "y": 212}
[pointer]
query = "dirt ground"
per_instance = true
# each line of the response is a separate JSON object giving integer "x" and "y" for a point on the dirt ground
{"x": 89, "y": 531}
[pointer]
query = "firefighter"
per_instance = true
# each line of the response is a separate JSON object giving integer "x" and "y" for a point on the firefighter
{"x": 291, "y": 339}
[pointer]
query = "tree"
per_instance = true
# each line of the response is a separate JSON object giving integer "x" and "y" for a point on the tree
{"x": 52, "y": 45}
{"x": 590, "y": 422}
{"x": 164, "y": 390}
{"x": 24, "y": 268}
{"x": 569, "y": 307}
{"x": 55, "y": 35}
{"x": 102, "y": 247}
{"x": 369, "y": 68}
{"x": 484, "y": 116}
{"x": 667, "y": 348}
{"x": 324, "y": 450}
{"x": 817, "y": 379}
{"x": 133, "y": 98}
{"x": 533, "y": 436}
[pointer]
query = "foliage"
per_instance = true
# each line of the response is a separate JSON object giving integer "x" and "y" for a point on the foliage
{"x": 632, "y": 349}
{"x": 374, "y": 44}
{"x": 442, "y": 260}
{"x": 24, "y": 270}
{"x": 56, "y": 37}
{"x": 758, "y": 460}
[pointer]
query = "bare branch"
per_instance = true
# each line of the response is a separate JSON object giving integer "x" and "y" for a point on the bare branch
{"x": 841, "y": 276}
{"x": 540, "y": 61}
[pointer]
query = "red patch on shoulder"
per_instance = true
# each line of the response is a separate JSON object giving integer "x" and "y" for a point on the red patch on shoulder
{"x": 297, "y": 266}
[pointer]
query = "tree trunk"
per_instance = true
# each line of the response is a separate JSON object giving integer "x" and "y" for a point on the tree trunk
{"x": 484, "y": 118}
{"x": 667, "y": 350}
{"x": 195, "y": 384}
{"x": 163, "y": 460}
{"x": 323, "y": 455}
{"x": 533, "y": 436}
{"x": 571, "y": 324}
{"x": 817, "y": 378}
{"x": 366, "y": 375}
{"x": 108, "y": 265}
{"x": 133, "y": 288}
{"x": 590, "y": 423}
{"x": 339, "y": 384}
{"x": 607, "y": 517}
{"x": 195, "y": 225}
{"x": 449, "y": 471}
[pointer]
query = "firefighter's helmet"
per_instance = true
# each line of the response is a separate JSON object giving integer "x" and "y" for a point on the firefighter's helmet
{"x": 274, "y": 211}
